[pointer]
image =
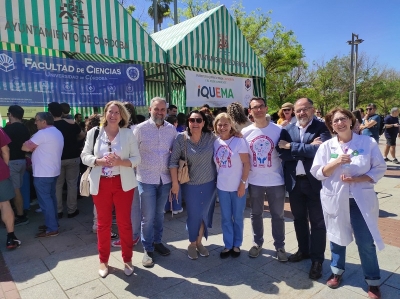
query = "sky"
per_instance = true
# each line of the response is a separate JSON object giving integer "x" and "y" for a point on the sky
{"x": 323, "y": 27}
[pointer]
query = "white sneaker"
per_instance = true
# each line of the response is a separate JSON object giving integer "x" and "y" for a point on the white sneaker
{"x": 281, "y": 255}
{"x": 177, "y": 212}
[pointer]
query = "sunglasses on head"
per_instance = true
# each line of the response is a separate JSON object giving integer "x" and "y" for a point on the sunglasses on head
{"x": 195, "y": 119}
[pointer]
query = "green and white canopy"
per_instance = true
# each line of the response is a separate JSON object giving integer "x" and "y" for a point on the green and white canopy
{"x": 77, "y": 26}
{"x": 212, "y": 42}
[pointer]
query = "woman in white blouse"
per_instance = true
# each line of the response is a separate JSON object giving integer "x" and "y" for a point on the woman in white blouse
{"x": 349, "y": 165}
{"x": 112, "y": 180}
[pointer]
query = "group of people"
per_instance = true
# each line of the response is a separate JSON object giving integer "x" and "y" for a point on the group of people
{"x": 135, "y": 170}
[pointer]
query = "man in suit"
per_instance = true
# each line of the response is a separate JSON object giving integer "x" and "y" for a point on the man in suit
{"x": 297, "y": 147}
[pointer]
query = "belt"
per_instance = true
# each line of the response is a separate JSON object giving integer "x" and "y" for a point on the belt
{"x": 301, "y": 176}
{"x": 109, "y": 177}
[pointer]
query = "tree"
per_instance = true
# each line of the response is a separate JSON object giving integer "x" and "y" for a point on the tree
{"x": 163, "y": 11}
{"x": 193, "y": 8}
{"x": 129, "y": 7}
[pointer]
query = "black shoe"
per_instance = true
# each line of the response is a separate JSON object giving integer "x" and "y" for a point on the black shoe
{"x": 21, "y": 220}
{"x": 315, "y": 271}
{"x": 60, "y": 215}
{"x": 72, "y": 215}
{"x": 12, "y": 242}
{"x": 161, "y": 249}
{"x": 114, "y": 236}
{"x": 387, "y": 160}
{"x": 395, "y": 161}
{"x": 225, "y": 253}
{"x": 298, "y": 256}
{"x": 235, "y": 253}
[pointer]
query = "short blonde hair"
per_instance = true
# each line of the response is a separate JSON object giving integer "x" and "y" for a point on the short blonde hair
{"x": 230, "y": 120}
{"x": 122, "y": 110}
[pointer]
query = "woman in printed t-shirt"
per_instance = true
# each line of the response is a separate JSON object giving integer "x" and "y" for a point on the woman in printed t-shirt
{"x": 232, "y": 159}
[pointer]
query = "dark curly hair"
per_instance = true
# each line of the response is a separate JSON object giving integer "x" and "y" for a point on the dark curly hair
{"x": 236, "y": 112}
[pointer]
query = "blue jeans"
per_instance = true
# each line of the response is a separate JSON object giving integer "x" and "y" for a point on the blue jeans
{"x": 232, "y": 208}
{"x": 46, "y": 194}
{"x": 152, "y": 203}
{"x": 366, "y": 249}
{"x": 136, "y": 215}
{"x": 275, "y": 195}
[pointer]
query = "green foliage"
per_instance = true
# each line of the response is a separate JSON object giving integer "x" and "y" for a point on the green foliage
{"x": 192, "y": 8}
{"x": 163, "y": 11}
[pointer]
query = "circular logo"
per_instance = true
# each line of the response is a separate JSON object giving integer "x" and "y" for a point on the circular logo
{"x": 111, "y": 88}
{"x": 133, "y": 73}
{"x": 90, "y": 87}
{"x": 129, "y": 88}
{"x": 67, "y": 86}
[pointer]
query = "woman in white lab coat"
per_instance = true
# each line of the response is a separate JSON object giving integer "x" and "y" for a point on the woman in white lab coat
{"x": 349, "y": 165}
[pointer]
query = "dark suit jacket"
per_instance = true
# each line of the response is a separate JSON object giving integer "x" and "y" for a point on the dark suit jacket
{"x": 304, "y": 151}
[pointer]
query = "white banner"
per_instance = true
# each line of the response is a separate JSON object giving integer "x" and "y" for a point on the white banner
{"x": 217, "y": 90}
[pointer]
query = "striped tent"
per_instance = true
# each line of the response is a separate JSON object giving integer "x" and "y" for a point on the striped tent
{"x": 91, "y": 30}
{"x": 212, "y": 43}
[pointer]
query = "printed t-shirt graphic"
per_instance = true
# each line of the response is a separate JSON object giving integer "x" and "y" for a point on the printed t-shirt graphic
{"x": 261, "y": 149}
{"x": 223, "y": 156}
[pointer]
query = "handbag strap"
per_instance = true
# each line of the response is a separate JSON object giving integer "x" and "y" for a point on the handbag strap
{"x": 96, "y": 134}
{"x": 184, "y": 136}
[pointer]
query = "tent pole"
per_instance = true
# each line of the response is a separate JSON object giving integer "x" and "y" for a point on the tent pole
{"x": 166, "y": 83}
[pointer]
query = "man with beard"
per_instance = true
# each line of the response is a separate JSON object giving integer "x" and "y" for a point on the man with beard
{"x": 155, "y": 137}
{"x": 297, "y": 147}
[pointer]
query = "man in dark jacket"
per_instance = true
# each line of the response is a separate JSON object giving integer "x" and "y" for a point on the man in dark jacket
{"x": 297, "y": 147}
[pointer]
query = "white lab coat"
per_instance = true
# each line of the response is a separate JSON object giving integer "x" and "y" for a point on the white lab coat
{"x": 366, "y": 159}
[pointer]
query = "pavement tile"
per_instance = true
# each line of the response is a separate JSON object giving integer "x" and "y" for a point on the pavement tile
{"x": 92, "y": 289}
{"x": 390, "y": 292}
{"x": 394, "y": 279}
{"x": 25, "y": 253}
{"x": 341, "y": 292}
{"x": 49, "y": 290}
{"x": 26, "y": 277}
{"x": 13, "y": 294}
{"x": 107, "y": 296}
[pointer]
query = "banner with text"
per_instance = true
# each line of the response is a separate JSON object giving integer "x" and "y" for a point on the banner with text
{"x": 217, "y": 90}
{"x": 36, "y": 80}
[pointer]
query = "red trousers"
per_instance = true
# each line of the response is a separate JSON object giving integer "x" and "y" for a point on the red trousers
{"x": 111, "y": 195}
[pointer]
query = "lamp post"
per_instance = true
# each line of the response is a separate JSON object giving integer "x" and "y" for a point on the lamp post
{"x": 354, "y": 42}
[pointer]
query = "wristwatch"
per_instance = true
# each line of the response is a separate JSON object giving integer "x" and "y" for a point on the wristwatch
{"x": 95, "y": 164}
{"x": 244, "y": 182}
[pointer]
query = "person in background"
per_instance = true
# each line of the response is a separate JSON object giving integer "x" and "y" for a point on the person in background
{"x": 286, "y": 115}
{"x": 265, "y": 179}
{"x": 78, "y": 118}
{"x": 112, "y": 156}
{"x": 197, "y": 144}
{"x": 236, "y": 112}
{"x": 46, "y": 147}
{"x": 155, "y": 137}
{"x": 232, "y": 160}
{"x": 140, "y": 118}
{"x": 172, "y": 110}
{"x": 318, "y": 115}
{"x": 174, "y": 204}
{"x": 391, "y": 132}
{"x": 18, "y": 134}
{"x": 66, "y": 109}
{"x": 371, "y": 123}
{"x": 356, "y": 127}
{"x": 7, "y": 192}
{"x": 70, "y": 161}
{"x": 362, "y": 112}
{"x": 181, "y": 122}
{"x": 297, "y": 147}
{"x": 349, "y": 165}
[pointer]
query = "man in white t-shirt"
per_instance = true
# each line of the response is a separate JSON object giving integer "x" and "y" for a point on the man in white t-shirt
{"x": 265, "y": 178}
{"x": 46, "y": 147}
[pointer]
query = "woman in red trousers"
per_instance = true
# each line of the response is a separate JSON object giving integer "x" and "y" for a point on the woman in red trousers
{"x": 112, "y": 154}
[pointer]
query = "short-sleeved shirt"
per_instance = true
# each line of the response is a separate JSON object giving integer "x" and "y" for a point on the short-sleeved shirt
{"x": 46, "y": 158}
{"x": 265, "y": 164}
{"x": 228, "y": 161}
{"x": 4, "y": 170}
{"x": 18, "y": 134}
{"x": 374, "y": 130}
{"x": 70, "y": 133}
{"x": 393, "y": 131}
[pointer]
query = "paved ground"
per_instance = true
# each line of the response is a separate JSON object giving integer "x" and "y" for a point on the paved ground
{"x": 66, "y": 266}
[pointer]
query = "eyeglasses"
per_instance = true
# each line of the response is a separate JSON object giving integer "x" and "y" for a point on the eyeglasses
{"x": 220, "y": 126}
{"x": 257, "y": 107}
{"x": 318, "y": 112}
{"x": 305, "y": 109}
{"x": 287, "y": 109}
{"x": 112, "y": 113}
{"x": 195, "y": 119}
{"x": 340, "y": 119}
{"x": 8, "y": 113}
{"x": 369, "y": 108}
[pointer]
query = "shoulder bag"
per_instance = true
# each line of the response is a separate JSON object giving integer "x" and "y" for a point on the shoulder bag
{"x": 183, "y": 170}
{"x": 84, "y": 185}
